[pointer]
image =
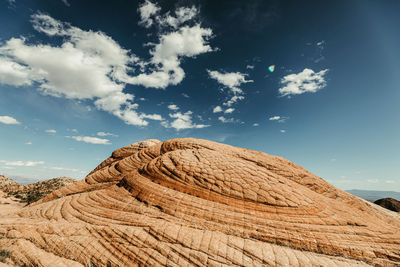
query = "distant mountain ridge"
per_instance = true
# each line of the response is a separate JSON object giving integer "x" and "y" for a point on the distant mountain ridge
{"x": 372, "y": 195}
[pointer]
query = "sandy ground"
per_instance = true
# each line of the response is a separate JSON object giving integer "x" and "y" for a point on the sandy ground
{"x": 8, "y": 205}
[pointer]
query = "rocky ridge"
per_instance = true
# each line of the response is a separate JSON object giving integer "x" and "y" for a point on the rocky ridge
{"x": 32, "y": 192}
{"x": 188, "y": 202}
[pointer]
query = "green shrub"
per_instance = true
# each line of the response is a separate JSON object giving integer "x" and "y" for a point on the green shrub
{"x": 4, "y": 254}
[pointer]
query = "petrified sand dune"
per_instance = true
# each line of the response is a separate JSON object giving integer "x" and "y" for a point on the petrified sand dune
{"x": 188, "y": 202}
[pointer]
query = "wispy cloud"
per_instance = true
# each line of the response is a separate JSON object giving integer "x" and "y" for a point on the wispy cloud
{"x": 66, "y": 3}
{"x": 228, "y": 120}
{"x": 278, "y": 118}
{"x": 20, "y": 163}
{"x": 91, "y": 140}
{"x": 8, "y": 119}
{"x": 51, "y": 131}
{"x": 306, "y": 81}
{"x": 62, "y": 169}
{"x": 102, "y": 134}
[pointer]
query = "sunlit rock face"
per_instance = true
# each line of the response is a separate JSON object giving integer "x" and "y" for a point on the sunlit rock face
{"x": 187, "y": 201}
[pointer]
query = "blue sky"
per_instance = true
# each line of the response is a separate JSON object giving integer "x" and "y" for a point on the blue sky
{"x": 79, "y": 79}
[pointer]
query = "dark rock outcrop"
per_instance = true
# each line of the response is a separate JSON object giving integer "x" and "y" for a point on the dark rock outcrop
{"x": 389, "y": 203}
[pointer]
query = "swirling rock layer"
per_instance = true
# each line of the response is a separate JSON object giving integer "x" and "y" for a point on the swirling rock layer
{"x": 186, "y": 202}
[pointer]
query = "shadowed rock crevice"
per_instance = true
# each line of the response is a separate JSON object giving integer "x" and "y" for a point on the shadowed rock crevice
{"x": 196, "y": 202}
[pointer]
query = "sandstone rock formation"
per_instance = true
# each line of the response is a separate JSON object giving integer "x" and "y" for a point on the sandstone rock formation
{"x": 32, "y": 192}
{"x": 185, "y": 202}
{"x": 6, "y": 183}
{"x": 389, "y": 203}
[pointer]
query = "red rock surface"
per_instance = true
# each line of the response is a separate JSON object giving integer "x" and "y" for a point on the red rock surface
{"x": 188, "y": 202}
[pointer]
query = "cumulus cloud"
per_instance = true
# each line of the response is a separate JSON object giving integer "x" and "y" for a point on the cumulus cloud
{"x": 102, "y": 134}
{"x": 51, "y": 131}
{"x": 91, "y": 140}
{"x": 217, "y": 109}
{"x": 256, "y": 124}
{"x": 8, "y": 119}
{"x": 182, "y": 121}
{"x": 91, "y": 65}
{"x": 166, "y": 56}
{"x": 146, "y": 11}
{"x": 20, "y": 163}
{"x": 283, "y": 131}
{"x": 306, "y": 81}
{"x": 231, "y": 80}
{"x": 173, "y": 107}
{"x": 229, "y": 110}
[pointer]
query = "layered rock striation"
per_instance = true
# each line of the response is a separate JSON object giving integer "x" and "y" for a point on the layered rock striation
{"x": 187, "y": 201}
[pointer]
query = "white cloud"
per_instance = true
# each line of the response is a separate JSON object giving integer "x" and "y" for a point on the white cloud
{"x": 278, "y": 118}
{"x": 182, "y": 15}
{"x": 8, "y": 119}
{"x": 373, "y": 181}
{"x": 167, "y": 54}
{"x": 173, "y": 107}
{"x": 390, "y": 181}
{"x": 91, "y": 140}
{"x": 230, "y": 120}
{"x": 274, "y": 118}
{"x": 51, "y": 131}
{"x": 102, "y": 134}
{"x": 283, "y": 131}
{"x": 28, "y": 143}
{"x": 146, "y": 11}
{"x": 229, "y": 110}
{"x": 182, "y": 121}
{"x": 231, "y": 80}
{"x": 303, "y": 82}
{"x": 217, "y": 109}
{"x": 89, "y": 65}
{"x": 155, "y": 117}
{"x": 233, "y": 100}
{"x": 12, "y": 73}
{"x": 250, "y": 67}
{"x": 20, "y": 163}
{"x": 256, "y": 124}
{"x": 185, "y": 95}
